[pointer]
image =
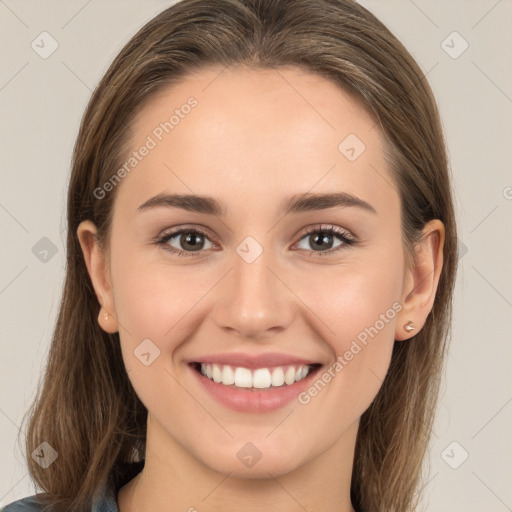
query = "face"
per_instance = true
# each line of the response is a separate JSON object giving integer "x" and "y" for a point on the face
{"x": 272, "y": 279}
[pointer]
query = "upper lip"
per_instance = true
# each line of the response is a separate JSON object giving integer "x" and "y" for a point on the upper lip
{"x": 253, "y": 361}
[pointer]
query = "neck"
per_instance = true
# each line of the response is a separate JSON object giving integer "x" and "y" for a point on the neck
{"x": 173, "y": 480}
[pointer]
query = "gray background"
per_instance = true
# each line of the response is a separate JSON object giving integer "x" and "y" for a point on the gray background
{"x": 41, "y": 104}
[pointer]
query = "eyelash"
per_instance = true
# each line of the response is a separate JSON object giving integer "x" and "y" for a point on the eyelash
{"x": 343, "y": 235}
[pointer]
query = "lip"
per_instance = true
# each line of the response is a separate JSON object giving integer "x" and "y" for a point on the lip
{"x": 253, "y": 400}
{"x": 253, "y": 361}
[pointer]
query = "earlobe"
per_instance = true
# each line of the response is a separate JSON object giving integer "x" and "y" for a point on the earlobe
{"x": 95, "y": 261}
{"x": 421, "y": 281}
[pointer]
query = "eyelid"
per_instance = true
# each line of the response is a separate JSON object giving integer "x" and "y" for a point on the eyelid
{"x": 194, "y": 228}
{"x": 337, "y": 230}
{"x": 346, "y": 236}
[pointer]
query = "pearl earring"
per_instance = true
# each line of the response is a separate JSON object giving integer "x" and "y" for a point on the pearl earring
{"x": 409, "y": 326}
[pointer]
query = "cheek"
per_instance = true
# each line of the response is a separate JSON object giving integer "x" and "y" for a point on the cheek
{"x": 359, "y": 305}
{"x": 151, "y": 300}
{"x": 153, "y": 305}
{"x": 159, "y": 306}
{"x": 354, "y": 298}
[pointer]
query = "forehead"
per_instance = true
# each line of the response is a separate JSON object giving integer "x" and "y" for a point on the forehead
{"x": 263, "y": 133}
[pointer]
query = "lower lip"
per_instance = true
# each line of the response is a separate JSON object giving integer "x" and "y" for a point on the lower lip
{"x": 251, "y": 399}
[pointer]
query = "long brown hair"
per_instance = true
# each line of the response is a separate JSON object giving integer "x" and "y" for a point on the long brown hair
{"x": 86, "y": 408}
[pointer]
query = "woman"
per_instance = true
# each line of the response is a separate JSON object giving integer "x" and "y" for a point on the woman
{"x": 210, "y": 353}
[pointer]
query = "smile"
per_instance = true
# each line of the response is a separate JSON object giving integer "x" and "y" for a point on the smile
{"x": 259, "y": 378}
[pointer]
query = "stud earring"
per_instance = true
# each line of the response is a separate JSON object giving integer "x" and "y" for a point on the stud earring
{"x": 105, "y": 315}
{"x": 409, "y": 326}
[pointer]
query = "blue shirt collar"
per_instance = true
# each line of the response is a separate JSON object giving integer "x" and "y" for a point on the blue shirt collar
{"x": 107, "y": 499}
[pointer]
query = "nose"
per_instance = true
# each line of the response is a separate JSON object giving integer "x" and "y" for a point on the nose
{"x": 254, "y": 300}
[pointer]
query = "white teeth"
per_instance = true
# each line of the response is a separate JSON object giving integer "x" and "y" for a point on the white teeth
{"x": 243, "y": 378}
{"x": 216, "y": 373}
{"x": 277, "y": 377}
{"x": 228, "y": 376}
{"x": 303, "y": 371}
{"x": 261, "y": 378}
{"x": 289, "y": 376}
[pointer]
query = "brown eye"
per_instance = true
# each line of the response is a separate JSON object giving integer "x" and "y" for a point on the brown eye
{"x": 323, "y": 240}
{"x": 185, "y": 242}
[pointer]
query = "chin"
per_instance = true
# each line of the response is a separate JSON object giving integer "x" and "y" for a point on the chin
{"x": 251, "y": 462}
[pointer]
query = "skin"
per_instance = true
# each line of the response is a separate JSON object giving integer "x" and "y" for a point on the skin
{"x": 255, "y": 139}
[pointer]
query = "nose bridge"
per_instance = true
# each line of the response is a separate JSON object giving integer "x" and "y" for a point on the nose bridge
{"x": 253, "y": 300}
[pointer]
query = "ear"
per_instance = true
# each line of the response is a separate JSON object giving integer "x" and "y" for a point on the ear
{"x": 96, "y": 262}
{"x": 421, "y": 280}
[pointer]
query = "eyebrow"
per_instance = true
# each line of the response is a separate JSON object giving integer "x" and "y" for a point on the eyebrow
{"x": 296, "y": 204}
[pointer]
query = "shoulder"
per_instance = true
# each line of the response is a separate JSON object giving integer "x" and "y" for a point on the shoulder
{"x": 107, "y": 502}
{"x": 29, "y": 504}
